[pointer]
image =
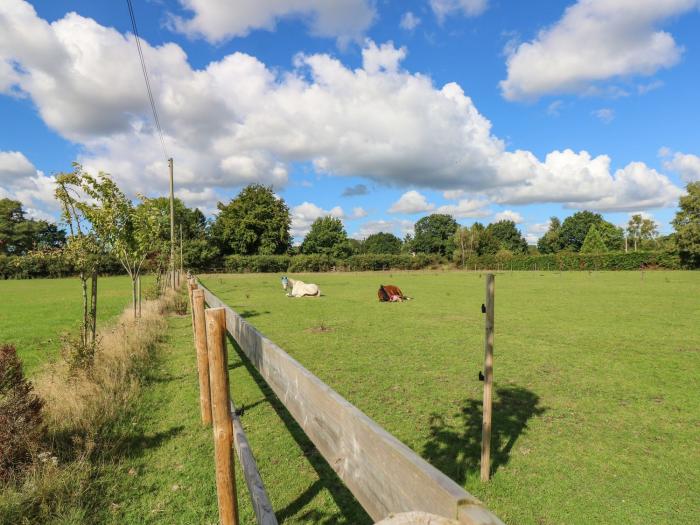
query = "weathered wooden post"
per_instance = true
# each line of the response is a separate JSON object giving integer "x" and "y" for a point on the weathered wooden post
{"x": 221, "y": 412}
{"x": 200, "y": 342}
{"x": 488, "y": 379}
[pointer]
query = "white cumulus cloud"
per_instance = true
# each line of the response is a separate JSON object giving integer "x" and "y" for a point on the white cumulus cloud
{"x": 466, "y": 208}
{"x": 238, "y": 121}
{"x": 21, "y": 181}
{"x": 593, "y": 42}
{"x": 686, "y": 165}
{"x": 409, "y": 21}
{"x": 444, "y": 8}
{"x": 508, "y": 215}
{"x": 411, "y": 202}
{"x": 219, "y": 20}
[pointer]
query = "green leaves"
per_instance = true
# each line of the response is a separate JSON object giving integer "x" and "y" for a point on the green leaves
{"x": 687, "y": 225}
{"x": 255, "y": 222}
{"x": 328, "y": 237}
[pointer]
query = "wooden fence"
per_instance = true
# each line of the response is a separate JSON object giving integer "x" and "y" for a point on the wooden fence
{"x": 384, "y": 475}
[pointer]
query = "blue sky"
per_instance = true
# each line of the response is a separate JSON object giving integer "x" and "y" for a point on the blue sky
{"x": 481, "y": 108}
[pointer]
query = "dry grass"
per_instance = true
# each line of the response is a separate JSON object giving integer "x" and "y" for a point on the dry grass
{"x": 85, "y": 399}
{"x": 84, "y": 416}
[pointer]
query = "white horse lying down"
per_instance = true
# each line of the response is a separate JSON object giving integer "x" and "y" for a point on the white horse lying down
{"x": 299, "y": 288}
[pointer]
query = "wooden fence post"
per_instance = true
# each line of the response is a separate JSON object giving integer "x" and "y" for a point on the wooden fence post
{"x": 221, "y": 412}
{"x": 488, "y": 379}
{"x": 200, "y": 342}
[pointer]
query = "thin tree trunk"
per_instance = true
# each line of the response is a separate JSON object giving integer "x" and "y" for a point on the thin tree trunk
{"x": 93, "y": 307}
{"x": 84, "y": 327}
{"x": 133, "y": 293}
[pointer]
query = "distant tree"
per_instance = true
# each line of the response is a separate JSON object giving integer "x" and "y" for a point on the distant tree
{"x": 435, "y": 234}
{"x": 355, "y": 245}
{"x": 508, "y": 237}
{"x": 593, "y": 243}
{"x": 575, "y": 228}
{"x": 549, "y": 242}
{"x": 19, "y": 234}
{"x": 193, "y": 221}
{"x": 687, "y": 226}
{"x": 198, "y": 252}
{"x": 382, "y": 243}
{"x": 327, "y": 236}
{"x": 613, "y": 236}
{"x": 634, "y": 229}
{"x": 649, "y": 232}
{"x": 255, "y": 222}
{"x": 466, "y": 242}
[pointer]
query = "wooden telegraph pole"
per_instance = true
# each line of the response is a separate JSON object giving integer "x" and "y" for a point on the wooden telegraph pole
{"x": 182, "y": 264}
{"x": 488, "y": 379}
{"x": 172, "y": 225}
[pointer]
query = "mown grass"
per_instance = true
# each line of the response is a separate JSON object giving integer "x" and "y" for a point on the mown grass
{"x": 596, "y": 415}
{"x": 597, "y": 407}
{"x": 34, "y": 313}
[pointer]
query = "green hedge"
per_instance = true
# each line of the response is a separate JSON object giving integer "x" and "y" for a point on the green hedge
{"x": 27, "y": 267}
{"x": 568, "y": 261}
{"x": 563, "y": 261}
{"x": 50, "y": 265}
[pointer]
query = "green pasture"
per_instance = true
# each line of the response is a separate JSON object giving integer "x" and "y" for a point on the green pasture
{"x": 597, "y": 388}
{"x": 596, "y": 409}
{"x": 34, "y": 313}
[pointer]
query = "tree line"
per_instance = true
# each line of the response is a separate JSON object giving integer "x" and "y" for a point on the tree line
{"x": 258, "y": 222}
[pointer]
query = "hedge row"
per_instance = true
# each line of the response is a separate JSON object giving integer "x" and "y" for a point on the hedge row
{"x": 325, "y": 263}
{"x": 563, "y": 261}
{"x": 568, "y": 261}
{"x": 26, "y": 267}
{"x": 48, "y": 265}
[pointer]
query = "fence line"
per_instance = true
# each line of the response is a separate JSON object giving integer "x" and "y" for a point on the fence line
{"x": 384, "y": 475}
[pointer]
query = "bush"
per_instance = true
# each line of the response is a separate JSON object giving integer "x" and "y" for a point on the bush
{"x": 20, "y": 416}
{"x": 256, "y": 263}
{"x": 568, "y": 261}
{"x": 312, "y": 263}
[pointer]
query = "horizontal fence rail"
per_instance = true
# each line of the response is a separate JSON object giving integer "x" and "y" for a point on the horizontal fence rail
{"x": 264, "y": 514}
{"x": 383, "y": 474}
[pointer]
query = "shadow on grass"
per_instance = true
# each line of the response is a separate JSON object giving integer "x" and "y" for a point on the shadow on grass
{"x": 456, "y": 449}
{"x": 247, "y": 314}
{"x": 134, "y": 445}
{"x": 350, "y": 510}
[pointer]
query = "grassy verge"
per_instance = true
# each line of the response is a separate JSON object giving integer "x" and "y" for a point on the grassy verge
{"x": 86, "y": 426}
{"x": 167, "y": 474}
{"x": 35, "y": 312}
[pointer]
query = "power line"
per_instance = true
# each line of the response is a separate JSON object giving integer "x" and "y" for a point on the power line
{"x": 145, "y": 76}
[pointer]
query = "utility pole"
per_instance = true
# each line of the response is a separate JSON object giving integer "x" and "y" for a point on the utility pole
{"x": 182, "y": 264}
{"x": 172, "y": 226}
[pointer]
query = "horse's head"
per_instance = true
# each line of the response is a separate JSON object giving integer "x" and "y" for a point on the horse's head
{"x": 382, "y": 294}
{"x": 285, "y": 282}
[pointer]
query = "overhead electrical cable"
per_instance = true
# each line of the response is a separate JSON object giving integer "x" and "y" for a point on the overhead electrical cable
{"x": 145, "y": 76}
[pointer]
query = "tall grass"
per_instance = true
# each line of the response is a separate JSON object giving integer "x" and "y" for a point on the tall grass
{"x": 85, "y": 414}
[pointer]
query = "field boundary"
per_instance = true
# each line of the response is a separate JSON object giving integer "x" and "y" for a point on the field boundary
{"x": 384, "y": 475}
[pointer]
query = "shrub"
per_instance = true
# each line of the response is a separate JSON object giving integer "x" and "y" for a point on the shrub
{"x": 567, "y": 261}
{"x": 312, "y": 263}
{"x": 256, "y": 263}
{"x": 20, "y": 415}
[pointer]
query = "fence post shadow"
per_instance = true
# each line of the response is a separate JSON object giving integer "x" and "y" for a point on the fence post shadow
{"x": 456, "y": 449}
{"x": 351, "y": 511}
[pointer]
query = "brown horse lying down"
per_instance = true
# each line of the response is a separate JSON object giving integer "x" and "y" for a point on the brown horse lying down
{"x": 391, "y": 294}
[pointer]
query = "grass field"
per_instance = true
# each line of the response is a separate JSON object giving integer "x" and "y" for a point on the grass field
{"x": 34, "y": 313}
{"x": 597, "y": 407}
{"x": 596, "y": 414}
